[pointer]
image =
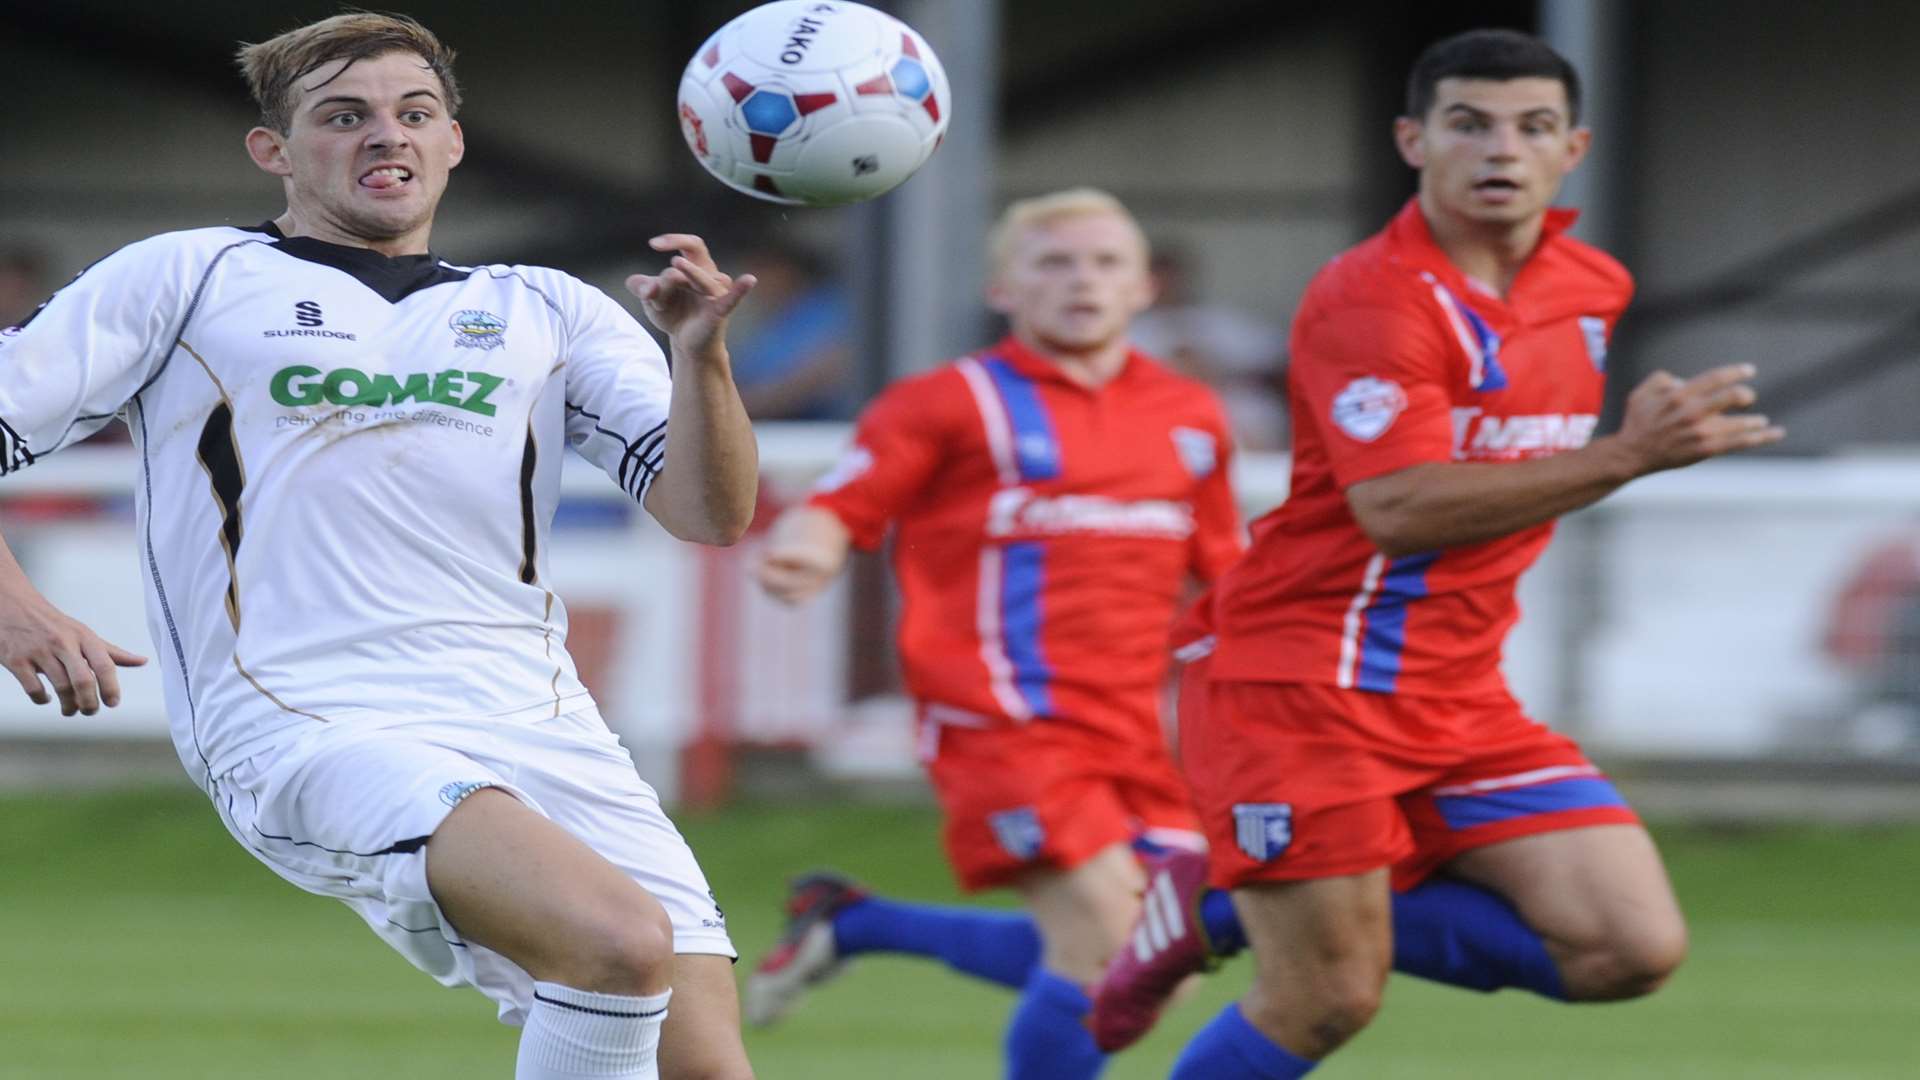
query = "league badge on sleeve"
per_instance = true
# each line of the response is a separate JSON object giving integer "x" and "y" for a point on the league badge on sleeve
{"x": 1367, "y": 407}
{"x": 1263, "y": 830}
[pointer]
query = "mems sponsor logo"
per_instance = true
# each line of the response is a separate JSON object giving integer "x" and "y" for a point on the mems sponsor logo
{"x": 1477, "y": 436}
{"x": 1018, "y": 511}
{"x": 299, "y": 385}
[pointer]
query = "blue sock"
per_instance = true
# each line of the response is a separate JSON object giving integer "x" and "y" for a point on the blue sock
{"x": 1229, "y": 1048}
{"x": 1047, "y": 1038}
{"x": 1467, "y": 936}
{"x": 999, "y": 946}
{"x": 1222, "y": 923}
{"x": 1447, "y": 931}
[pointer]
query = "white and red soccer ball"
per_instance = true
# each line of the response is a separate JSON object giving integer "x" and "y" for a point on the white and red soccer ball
{"x": 814, "y": 102}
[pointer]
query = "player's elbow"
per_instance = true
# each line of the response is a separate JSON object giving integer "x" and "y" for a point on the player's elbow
{"x": 1390, "y": 529}
{"x": 710, "y": 515}
{"x": 1385, "y": 511}
{"x": 713, "y": 530}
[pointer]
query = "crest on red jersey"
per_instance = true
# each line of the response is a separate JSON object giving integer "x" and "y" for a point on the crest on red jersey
{"x": 1368, "y": 407}
{"x": 1594, "y": 329}
{"x": 1196, "y": 451}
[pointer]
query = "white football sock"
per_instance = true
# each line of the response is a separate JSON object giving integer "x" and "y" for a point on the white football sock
{"x": 572, "y": 1034}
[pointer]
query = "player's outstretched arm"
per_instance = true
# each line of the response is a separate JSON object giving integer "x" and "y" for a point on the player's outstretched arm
{"x": 807, "y": 548}
{"x": 706, "y": 487}
{"x": 1669, "y": 423}
{"x": 37, "y": 639}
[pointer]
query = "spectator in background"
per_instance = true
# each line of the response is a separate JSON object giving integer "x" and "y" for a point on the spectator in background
{"x": 23, "y": 282}
{"x": 1239, "y": 355}
{"x": 1873, "y": 631}
{"x": 795, "y": 359}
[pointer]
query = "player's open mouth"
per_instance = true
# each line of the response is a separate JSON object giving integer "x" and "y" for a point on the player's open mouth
{"x": 386, "y": 177}
{"x": 1496, "y": 183}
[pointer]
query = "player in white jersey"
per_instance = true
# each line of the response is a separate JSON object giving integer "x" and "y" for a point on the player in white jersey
{"x": 349, "y": 463}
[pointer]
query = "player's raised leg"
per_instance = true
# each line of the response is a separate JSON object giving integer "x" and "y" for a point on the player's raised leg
{"x": 831, "y": 920}
{"x": 1600, "y": 900}
{"x": 1321, "y": 955}
{"x": 598, "y": 946}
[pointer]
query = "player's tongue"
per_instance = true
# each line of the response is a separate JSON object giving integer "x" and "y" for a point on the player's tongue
{"x": 382, "y": 179}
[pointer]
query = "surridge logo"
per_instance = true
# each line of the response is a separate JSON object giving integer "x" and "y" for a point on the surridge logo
{"x": 300, "y": 384}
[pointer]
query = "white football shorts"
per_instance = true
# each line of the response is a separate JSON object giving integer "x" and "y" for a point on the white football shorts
{"x": 346, "y": 813}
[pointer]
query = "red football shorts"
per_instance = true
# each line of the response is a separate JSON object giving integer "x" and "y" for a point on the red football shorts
{"x": 1303, "y": 780}
{"x": 1050, "y": 793}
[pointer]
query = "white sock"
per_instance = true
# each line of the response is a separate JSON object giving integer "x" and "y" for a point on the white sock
{"x": 577, "y": 1033}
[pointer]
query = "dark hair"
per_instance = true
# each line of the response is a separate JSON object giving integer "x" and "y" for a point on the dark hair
{"x": 1488, "y": 54}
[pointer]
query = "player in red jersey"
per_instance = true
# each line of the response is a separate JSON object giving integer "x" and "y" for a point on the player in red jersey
{"x": 1049, "y": 499}
{"x": 1372, "y": 793}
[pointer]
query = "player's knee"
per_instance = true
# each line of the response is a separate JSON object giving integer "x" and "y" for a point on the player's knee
{"x": 1635, "y": 961}
{"x": 625, "y": 949}
{"x": 1648, "y": 956}
{"x": 1342, "y": 1001}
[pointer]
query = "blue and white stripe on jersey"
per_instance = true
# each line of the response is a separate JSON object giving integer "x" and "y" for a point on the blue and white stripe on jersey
{"x": 1476, "y": 338}
{"x": 1025, "y": 448}
{"x": 1374, "y": 639}
{"x": 1542, "y": 791}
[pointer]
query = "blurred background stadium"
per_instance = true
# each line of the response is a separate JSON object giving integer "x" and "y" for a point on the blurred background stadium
{"x": 1740, "y": 643}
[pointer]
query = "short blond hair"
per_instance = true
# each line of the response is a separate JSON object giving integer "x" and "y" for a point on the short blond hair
{"x": 273, "y": 67}
{"x": 1023, "y": 214}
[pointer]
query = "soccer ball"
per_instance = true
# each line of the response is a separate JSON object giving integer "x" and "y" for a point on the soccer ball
{"x": 814, "y": 102}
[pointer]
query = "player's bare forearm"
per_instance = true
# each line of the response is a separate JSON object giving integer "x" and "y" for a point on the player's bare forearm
{"x": 1668, "y": 424}
{"x": 1450, "y": 504}
{"x": 707, "y": 486}
{"x": 38, "y": 640}
{"x": 806, "y": 550}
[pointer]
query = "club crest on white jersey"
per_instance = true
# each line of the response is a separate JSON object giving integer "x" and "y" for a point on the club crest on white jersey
{"x": 1368, "y": 407}
{"x": 478, "y": 330}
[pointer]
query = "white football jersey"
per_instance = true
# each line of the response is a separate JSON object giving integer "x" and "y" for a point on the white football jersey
{"x": 349, "y": 466}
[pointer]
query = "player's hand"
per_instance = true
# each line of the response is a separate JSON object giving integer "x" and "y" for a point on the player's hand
{"x": 1670, "y": 423}
{"x": 37, "y": 640}
{"x": 795, "y": 574}
{"x": 691, "y": 299}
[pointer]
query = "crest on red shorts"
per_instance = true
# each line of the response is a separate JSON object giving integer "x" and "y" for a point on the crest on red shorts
{"x": 1263, "y": 830}
{"x": 1018, "y": 831}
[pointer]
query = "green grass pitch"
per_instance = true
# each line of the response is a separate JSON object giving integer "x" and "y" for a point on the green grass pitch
{"x": 138, "y": 940}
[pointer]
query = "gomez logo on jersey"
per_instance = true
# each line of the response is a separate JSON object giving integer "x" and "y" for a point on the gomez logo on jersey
{"x": 1367, "y": 407}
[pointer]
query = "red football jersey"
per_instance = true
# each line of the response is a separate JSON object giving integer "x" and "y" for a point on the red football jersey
{"x": 1399, "y": 359}
{"x": 1043, "y": 531}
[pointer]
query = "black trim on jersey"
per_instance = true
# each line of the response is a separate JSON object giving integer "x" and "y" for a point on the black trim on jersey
{"x": 394, "y": 278}
{"x": 529, "y": 535}
{"x": 221, "y": 457}
{"x": 160, "y": 591}
{"x": 13, "y": 450}
{"x": 647, "y": 452}
{"x": 538, "y": 996}
{"x": 173, "y": 343}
